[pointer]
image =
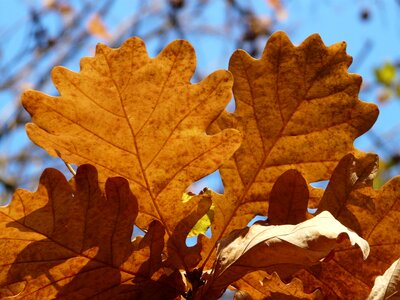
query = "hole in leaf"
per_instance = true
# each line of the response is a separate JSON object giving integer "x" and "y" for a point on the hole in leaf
{"x": 312, "y": 210}
{"x": 191, "y": 241}
{"x": 137, "y": 232}
{"x": 320, "y": 184}
{"x": 208, "y": 233}
{"x": 231, "y": 106}
{"x": 212, "y": 181}
{"x": 257, "y": 218}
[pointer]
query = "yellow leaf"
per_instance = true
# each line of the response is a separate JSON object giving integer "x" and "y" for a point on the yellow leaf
{"x": 297, "y": 108}
{"x": 139, "y": 118}
{"x": 386, "y": 74}
{"x": 203, "y": 224}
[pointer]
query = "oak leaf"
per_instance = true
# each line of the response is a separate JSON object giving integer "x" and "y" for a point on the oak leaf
{"x": 283, "y": 249}
{"x": 287, "y": 205}
{"x": 139, "y": 118}
{"x": 288, "y": 199}
{"x": 297, "y": 108}
{"x": 72, "y": 241}
{"x": 261, "y": 286}
{"x": 373, "y": 214}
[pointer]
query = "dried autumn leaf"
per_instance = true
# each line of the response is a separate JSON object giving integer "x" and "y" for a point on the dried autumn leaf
{"x": 387, "y": 286}
{"x": 373, "y": 214}
{"x": 288, "y": 200}
{"x": 297, "y": 108}
{"x": 349, "y": 175}
{"x": 260, "y": 285}
{"x": 141, "y": 119}
{"x": 283, "y": 249}
{"x": 72, "y": 241}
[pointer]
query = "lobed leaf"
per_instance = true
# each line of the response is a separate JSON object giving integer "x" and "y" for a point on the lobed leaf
{"x": 142, "y": 119}
{"x": 297, "y": 108}
{"x": 373, "y": 214}
{"x": 72, "y": 241}
{"x": 261, "y": 286}
{"x": 139, "y": 118}
{"x": 283, "y": 249}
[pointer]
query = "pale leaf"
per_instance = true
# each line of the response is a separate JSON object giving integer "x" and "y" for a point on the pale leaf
{"x": 387, "y": 286}
{"x": 283, "y": 249}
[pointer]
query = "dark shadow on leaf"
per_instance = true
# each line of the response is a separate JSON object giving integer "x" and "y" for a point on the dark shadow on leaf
{"x": 179, "y": 252}
{"x": 88, "y": 251}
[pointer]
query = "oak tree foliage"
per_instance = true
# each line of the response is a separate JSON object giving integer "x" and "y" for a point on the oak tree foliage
{"x": 141, "y": 133}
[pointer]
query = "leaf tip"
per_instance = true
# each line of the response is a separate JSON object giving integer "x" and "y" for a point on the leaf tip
{"x": 314, "y": 39}
{"x": 177, "y": 48}
{"x": 240, "y": 56}
{"x": 101, "y": 48}
{"x": 279, "y": 35}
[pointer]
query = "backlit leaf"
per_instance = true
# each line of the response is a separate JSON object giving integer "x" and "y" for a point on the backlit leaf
{"x": 297, "y": 108}
{"x": 373, "y": 214}
{"x": 261, "y": 286}
{"x": 288, "y": 200}
{"x": 139, "y": 118}
{"x": 71, "y": 241}
{"x": 283, "y": 249}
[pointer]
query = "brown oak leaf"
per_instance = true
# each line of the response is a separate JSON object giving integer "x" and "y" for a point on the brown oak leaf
{"x": 373, "y": 214}
{"x": 282, "y": 248}
{"x": 288, "y": 199}
{"x": 142, "y": 119}
{"x": 261, "y": 286}
{"x": 72, "y": 241}
{"x": 297, "y": 108}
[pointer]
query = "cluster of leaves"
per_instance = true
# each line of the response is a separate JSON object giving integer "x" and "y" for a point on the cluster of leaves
{"x": 141, "y": 133}
{"x": 55, "y": 32}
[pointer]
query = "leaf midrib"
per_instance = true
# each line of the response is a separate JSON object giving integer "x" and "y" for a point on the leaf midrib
{"x": 278, "y": 136}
